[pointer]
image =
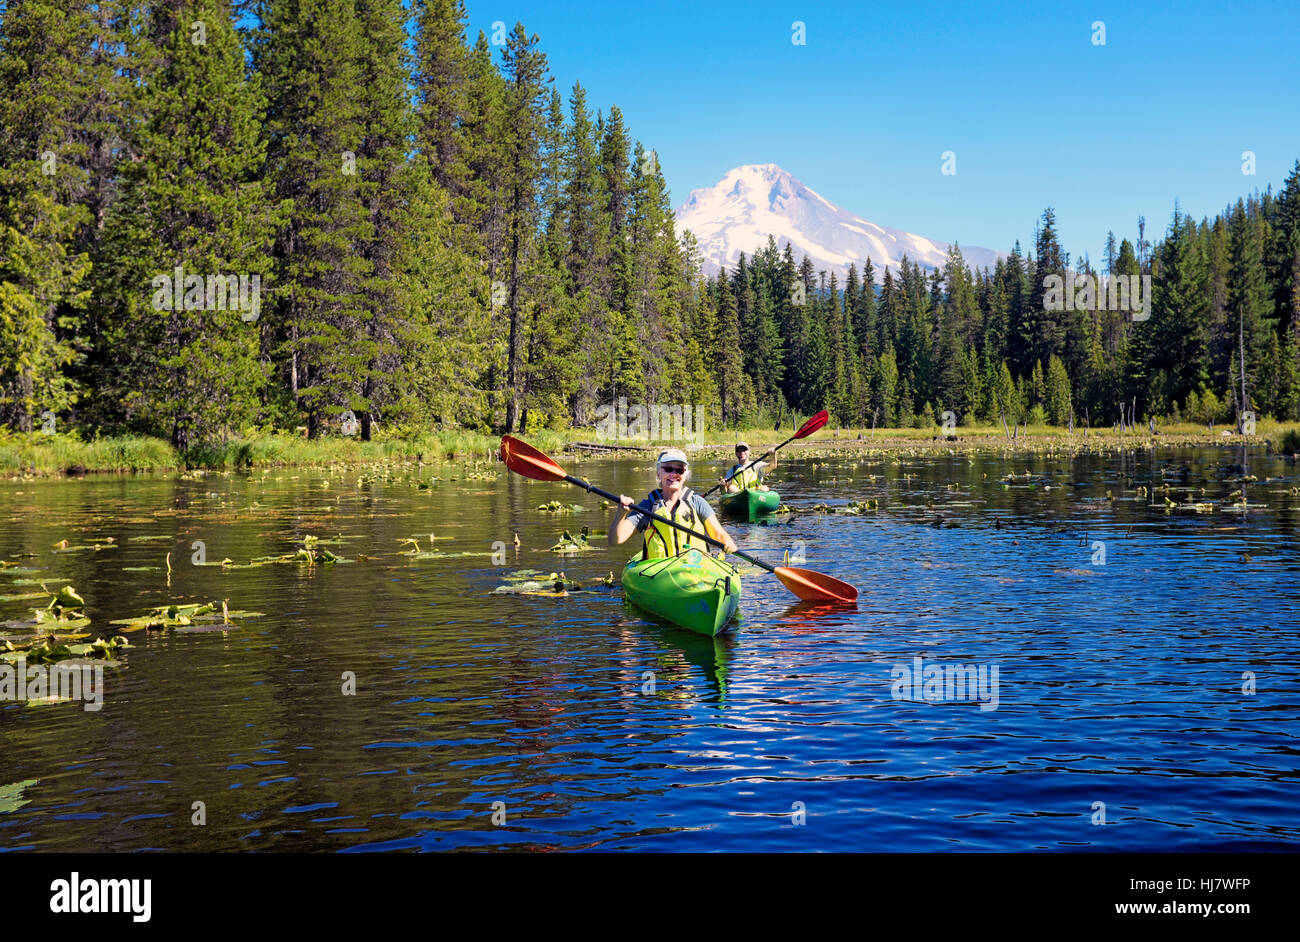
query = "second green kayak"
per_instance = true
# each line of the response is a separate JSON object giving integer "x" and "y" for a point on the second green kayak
{"x": 750, "y": 503}
{"x": 693, "y": 590}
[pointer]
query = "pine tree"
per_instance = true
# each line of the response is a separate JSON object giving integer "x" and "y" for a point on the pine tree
{"x": 885, "y": 396}
{"x": 524, "y": 69}
{"x": 1179, "y": 317}
{"x": 1005, "y": 400}
{"x": 727, "y": 358}
{"x": 440, "y": 319}
{"x": 309, "y": 54}
{"x": 52, "y": 73}
{"x": 958, "y": 319}
{"x": 1050, "y": 326}
{"x": 1222, "y": 330}
{"x": 1022, "y": 318}
{"x": 193, "y": 225}
{"x": 386, "y": 185}
{"x": 1283, "y": 256}
{"x": 584, "y": 202}
{"x": 612, "y": 334}
{"x": 768, "y": 360}
{"x": 441, "y": 79}
{"x": 700, "y": 324}
{"x": 482, "y": 207}
{"x": 1249, "y": 303}
{"x": 1058, "y": 398}
{"x": 972, "y": 403}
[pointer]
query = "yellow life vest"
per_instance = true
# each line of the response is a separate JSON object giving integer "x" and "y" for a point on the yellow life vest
{"x": 745, "y": 479}
{"x": 662, "y": 540}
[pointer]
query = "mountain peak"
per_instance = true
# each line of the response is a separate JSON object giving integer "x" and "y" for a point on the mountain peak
{"x": 753, "y": 201}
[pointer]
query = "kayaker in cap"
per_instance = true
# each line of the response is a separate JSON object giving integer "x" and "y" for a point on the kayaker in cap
{"x": 674, "y": 500}
{"x": 737, "y": 479}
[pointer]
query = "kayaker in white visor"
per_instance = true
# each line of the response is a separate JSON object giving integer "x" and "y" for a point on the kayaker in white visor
{"x": 674, "y": 500}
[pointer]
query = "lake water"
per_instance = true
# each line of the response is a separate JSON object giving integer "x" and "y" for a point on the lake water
{"x": 1126, "y": 640}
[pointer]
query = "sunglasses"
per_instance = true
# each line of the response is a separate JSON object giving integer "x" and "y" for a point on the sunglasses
{"x": 673, "y": 469}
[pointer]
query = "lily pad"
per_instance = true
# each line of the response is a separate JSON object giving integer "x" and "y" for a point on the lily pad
{"x": 554, "y": 590}
{"x": 569, "y": 543}
{"x": 555, "y": 507}
{"x": 523, "y": 575}
{"x": 11, "y": 796}
{"x": 68, "y": 599}
{"x": 179, "y": 616}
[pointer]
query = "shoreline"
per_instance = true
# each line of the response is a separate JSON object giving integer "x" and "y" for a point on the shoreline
{"x": 33, "y": 456}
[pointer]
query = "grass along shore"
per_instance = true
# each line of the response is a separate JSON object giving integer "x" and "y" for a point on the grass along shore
{"x": 40, "y": 454}
{"x": 45, "y": 455}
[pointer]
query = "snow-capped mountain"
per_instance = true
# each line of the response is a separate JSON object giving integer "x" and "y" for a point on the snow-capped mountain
{"x": 757, "y": 200}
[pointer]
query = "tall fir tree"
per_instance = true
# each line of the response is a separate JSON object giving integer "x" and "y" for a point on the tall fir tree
{"x": 525, "y": 70}
{"x": 309, "y": 54}
{"x": 188, "y": 238}
{"x": 53, "y": 72}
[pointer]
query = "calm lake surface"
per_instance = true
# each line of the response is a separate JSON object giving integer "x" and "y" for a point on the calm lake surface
{"x": 1120, "y": 633}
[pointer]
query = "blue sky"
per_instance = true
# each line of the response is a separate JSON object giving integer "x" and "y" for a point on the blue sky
{"x": 1035, "y": 113}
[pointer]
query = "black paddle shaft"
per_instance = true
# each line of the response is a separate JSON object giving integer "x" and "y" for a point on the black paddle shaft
{"x": 672, "y": 523}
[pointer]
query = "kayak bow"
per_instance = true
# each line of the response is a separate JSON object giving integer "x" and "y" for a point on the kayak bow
{"x": 692, "y": 590}
{"x": 750, "y": 503}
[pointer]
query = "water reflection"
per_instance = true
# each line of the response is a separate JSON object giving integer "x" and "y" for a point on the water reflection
{"x": 1121, "y": 682}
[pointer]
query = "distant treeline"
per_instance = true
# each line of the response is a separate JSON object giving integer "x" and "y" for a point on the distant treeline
{"x": 207, "y": 227}
{"x": 1159, "y": 331}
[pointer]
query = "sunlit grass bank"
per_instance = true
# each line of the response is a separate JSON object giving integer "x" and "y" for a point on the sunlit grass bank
{"x": 1280, "y": 436}
{"x": 58, "y": 454}
{"x": 42, "y": 454}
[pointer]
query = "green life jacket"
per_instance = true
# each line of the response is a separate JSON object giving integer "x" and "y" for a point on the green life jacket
{"x": 662, "y": 540}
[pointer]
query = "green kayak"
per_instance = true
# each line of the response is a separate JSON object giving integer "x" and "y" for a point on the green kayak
{"x": 693, "y": 590}
{"x": 750, "y": 503}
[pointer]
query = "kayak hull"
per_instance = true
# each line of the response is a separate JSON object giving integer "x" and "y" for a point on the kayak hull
{"x": 750, "y": 503}
{"x": 694, "y": 591}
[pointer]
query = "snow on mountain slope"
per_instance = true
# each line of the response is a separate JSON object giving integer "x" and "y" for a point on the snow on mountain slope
{"x": 757, "y": 200}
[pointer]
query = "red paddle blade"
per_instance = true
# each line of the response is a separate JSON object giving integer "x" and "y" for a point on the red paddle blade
{"x": 815, "y": 586}
{"x": 523, "y": 458}
{"x": 813, "y": 424}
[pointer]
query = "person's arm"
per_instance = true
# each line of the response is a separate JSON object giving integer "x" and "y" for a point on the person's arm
{"x": 623, "y": 524}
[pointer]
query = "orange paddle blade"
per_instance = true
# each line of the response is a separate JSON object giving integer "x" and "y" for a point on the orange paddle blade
{"x": 813, "y": 424}
{"x": 523, "y": 458}
{"x": 815, "y": 586}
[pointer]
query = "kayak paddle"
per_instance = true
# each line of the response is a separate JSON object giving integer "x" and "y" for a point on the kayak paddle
{"x": 812, "y": 425}
{"x": 525, "y": 460}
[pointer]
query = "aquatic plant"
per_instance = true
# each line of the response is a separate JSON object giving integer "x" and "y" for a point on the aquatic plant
{"x": 175, "y": 615}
